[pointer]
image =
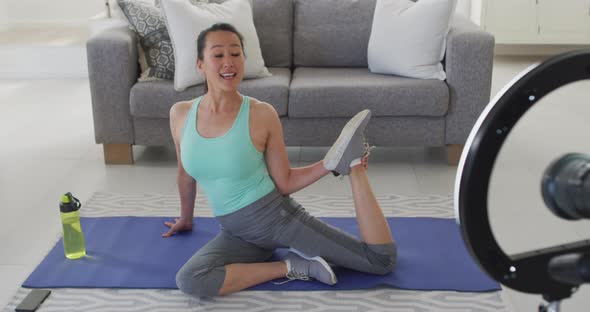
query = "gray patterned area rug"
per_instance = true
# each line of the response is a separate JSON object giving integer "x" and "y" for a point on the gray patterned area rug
{"x": 153, "y": 300}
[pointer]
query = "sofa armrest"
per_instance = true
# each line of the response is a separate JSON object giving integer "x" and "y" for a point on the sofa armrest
{"x": 112, "y": 71}
{"x": 468, "y": 63}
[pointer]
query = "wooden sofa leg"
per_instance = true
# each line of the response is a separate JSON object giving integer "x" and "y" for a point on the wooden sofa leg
{"x": 118, "y": 154}
{"x": 454, "y": 154}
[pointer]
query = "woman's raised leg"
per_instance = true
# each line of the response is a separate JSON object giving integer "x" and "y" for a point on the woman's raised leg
{"x": 376, "y": 252}
{"x": 373, "y": 226}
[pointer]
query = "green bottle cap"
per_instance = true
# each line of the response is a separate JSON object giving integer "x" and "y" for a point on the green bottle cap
{"x": 65, "y": 199}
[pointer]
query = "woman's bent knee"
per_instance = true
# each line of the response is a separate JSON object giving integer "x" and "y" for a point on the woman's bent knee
{"x": 203, "y": 282}
{"x": 383, "y": 259}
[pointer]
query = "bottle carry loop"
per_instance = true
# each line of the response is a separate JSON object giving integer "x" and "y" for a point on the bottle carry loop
{"x": 76, "y": 201}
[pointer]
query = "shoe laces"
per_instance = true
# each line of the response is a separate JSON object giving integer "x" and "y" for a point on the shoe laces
{"x": 366, "y": 145}
{"x": 294, "y": 275}
{"x": 368, "y": 149}
{"x": 367, "y": 152}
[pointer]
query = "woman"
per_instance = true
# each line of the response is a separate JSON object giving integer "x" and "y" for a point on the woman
{"x": 233, "y": 145}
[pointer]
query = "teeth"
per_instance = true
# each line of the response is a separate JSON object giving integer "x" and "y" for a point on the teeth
{"x": 228, "y": 75}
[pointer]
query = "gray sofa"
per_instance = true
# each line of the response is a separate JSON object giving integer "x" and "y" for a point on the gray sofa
{"x": 317, "y": 53}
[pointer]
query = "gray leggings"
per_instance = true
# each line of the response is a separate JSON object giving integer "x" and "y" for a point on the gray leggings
{"x": 250, "y": 235}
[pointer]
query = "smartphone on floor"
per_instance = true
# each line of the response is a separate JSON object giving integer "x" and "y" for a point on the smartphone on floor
{"x": 33, "y": 300}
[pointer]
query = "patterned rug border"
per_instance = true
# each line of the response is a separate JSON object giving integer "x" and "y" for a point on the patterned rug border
{"x": 385, "y": 299}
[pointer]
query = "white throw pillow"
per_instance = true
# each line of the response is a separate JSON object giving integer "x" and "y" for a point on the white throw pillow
{"x": 185, "y": 22}
{"x": 409, "y": 38}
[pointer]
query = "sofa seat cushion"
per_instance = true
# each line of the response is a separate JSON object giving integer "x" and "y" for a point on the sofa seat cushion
{"x": 153, "y": 99}
{"x": 342, "y": 92}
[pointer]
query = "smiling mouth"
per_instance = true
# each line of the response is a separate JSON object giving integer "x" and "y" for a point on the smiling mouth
{"x": 228, "y": 76}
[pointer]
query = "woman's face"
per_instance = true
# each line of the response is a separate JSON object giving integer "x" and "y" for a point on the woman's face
{"x": 223, "y": 61}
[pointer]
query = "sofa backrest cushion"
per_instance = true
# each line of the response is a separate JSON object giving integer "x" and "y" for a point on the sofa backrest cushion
{"x": 274, "y": 23}
{"x": 273, "y": 20}
{"x": 332, "y": 33}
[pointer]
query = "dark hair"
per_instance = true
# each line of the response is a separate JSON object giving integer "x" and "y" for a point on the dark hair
{"x": 216, "y": 27}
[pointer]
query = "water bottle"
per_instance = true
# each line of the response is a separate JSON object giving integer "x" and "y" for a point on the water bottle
{"x": 73, "y": 239}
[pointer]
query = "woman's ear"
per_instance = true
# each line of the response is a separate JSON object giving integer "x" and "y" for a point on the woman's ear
{"x": 200, "y": 67}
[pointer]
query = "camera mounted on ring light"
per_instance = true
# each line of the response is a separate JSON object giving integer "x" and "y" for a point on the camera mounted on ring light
{"x": 554, "y": 272}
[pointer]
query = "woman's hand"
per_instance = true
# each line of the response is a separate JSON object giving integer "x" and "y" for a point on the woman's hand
{"x": 178, "y": 226}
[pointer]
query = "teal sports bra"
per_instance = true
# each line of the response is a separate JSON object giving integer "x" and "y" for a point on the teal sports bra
{"x": 229, "y": 169}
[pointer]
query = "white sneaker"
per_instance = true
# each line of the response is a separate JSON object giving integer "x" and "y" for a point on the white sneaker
{"x": 303, "y": 267}
{"x": 350, "y": 145}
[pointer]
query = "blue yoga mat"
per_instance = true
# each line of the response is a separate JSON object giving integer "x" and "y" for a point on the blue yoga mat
{"x": 129, "y": 252}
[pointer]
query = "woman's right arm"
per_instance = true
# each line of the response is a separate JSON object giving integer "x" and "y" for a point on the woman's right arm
{"x": 187, "y": 186}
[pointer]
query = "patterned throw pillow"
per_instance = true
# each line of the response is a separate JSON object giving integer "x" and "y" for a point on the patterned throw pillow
{"x": 145, "y": 19}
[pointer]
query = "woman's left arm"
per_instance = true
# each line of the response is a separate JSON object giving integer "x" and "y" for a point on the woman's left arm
{"x": 288, "y": 180}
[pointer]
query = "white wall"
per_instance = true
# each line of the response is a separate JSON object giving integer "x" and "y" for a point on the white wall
{"x": 3, "y": 15}
{"x": 76, "y": 11}
{"x": 463, "y": 8}
{"x": 470, "y": 9}
{"x": 49, "y": 11}
{"x": 476, "y": 7}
